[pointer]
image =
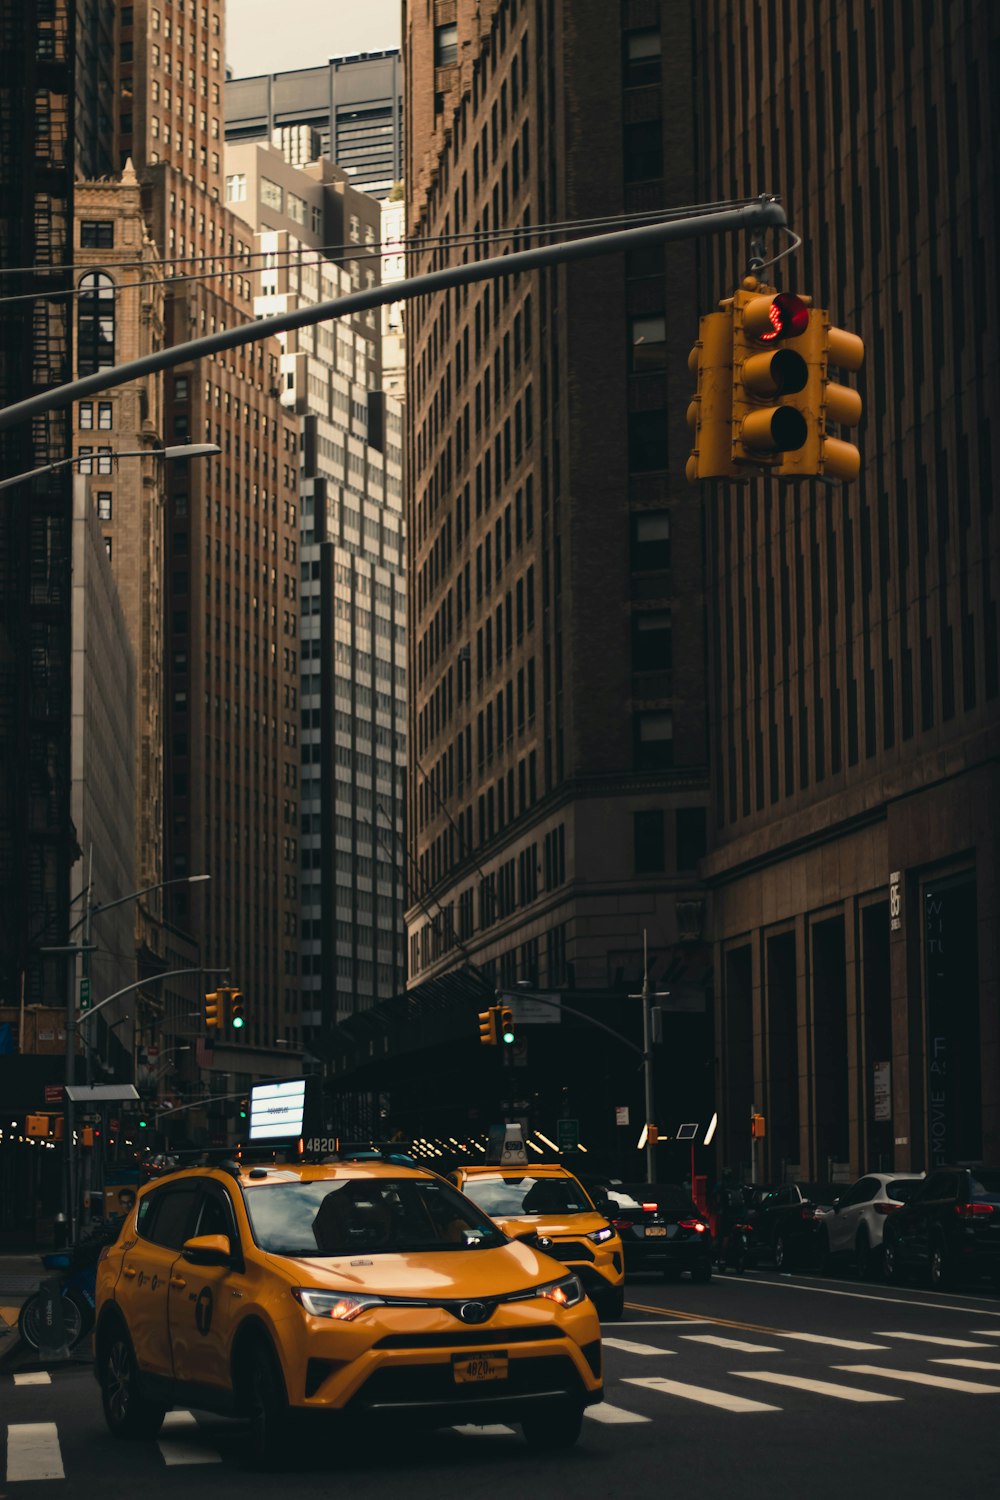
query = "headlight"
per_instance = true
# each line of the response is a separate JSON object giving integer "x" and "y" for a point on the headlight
{"x": 567, "y": 1291}
{"x": 342, "y": 1306}
{"x": 600, "y": 1235}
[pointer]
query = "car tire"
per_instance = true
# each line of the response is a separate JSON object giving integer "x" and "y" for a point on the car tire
{"x": 553, "y": 1430}
{"x": 127, "y": 1412}
{"x": 612, "y": 1305}
{"x": 267, "y": 1409}
{"x": 782, "y": 1259}
{"x": 864, "y": 1256}
{"x": 892, "y": 1270}
{"x": 702, "y": 1270}
{"x": 939, "y": 1269}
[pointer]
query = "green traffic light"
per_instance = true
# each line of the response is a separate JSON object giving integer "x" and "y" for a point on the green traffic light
{"x": 142, "y": 1124}
{"x": 237, "y": 1023}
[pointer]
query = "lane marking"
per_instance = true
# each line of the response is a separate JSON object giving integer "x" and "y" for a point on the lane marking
{"x": 33, "y": 1451}
{"x": 175, "y": 1450}
{"x": 829, "y": 1291}
{"x": 700, "y": 1394}
{"x": 613, "y": 1414}
{"x": 932, "y": 1338}
{"x": 942, "y": 1382}
{"x": 818, "y": 1387}
{"x": 970, "y": 1364}
{"x": 664, "y": 1322}
{"x": 33, "y": 1377}
{"x": 495, "y": 1429}
{"x": 710, "y": 1338}
{"x": 628, "y": 1347}
{"x": 825, "y": 1338}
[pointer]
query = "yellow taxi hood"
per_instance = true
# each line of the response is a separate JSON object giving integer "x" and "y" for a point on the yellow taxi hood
{"x": 554, "y": 1225}
{"x": 458, "y": 1273}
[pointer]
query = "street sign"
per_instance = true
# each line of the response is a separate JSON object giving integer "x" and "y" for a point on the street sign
{"x": 567, "y": 1134}
{"x": 84, "y": 993}
{"x": 687, "y": 1132}
{"x": 53, "y": 1093}
{"x": 106, "y": 1093}
{"x": 883, "y": 1091}
{"x": 621, "y": 1114}
{"x": 531, "y": 1010}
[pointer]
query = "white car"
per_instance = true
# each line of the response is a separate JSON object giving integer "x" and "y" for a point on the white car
{"x": 854, "y": 1225}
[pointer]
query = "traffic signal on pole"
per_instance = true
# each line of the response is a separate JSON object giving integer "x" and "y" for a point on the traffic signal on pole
{"x": 771, "y": 344}
{"x": 488, "y": 1023}
{"x": 236, "y": 1009}
{"x": 710, "y": 412}
{"x": 244, "y": 1108}
{"x": 825, "y": 403}
{"x": 506, "y": 1025}
{"x": 757, "y": 1127}
{"x": 213, "y": 1009}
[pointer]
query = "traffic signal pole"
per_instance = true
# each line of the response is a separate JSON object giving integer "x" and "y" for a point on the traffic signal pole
{"x": 759, "y": 213}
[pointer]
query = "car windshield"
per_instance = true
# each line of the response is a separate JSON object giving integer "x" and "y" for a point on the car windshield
{"x": 903, "y": 1188}
{"x": 985, "y": 1183}
{"x": 348, "y": 1216}
{"x": 506, "y": 1195}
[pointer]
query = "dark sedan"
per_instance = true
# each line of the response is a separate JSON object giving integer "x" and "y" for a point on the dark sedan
{"x": 661, "y": 1230}
{"x": 785, "y": 1221}
{"x": 949, "y": 1231}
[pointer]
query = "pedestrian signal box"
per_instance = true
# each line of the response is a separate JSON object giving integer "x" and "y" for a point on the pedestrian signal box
{"x": 757, "y": 1127}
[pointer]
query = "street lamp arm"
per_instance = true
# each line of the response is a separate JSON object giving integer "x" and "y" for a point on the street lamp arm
{"x": 570, "y": 1011}
{"x": 100, "y": 906}
{"x": 180, "y": 450}
{"x": 85, "y": 1015}
{"x": 196, "y": 1103}
{"x": 761, "y": 212}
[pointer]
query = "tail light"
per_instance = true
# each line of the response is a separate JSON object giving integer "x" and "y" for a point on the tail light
{"x": 691, "y": 1224}
{"x": 973, "y": 1210}
{"x": 622, "y": 1223}
{"x": 886, "y": 1208}
{"x": 650, "y": 1208}
{"x": 807, "y": 1211}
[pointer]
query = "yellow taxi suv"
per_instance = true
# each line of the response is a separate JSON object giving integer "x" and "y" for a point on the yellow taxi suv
{"x": 349, "y": 1288}
{"x": 549, "y": 1200}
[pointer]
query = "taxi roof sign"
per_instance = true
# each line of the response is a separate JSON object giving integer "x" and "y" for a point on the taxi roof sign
{"x": 506, "y": 1146}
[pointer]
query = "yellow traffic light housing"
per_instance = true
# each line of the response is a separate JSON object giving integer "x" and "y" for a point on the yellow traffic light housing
{"x": 824, "y": 402}
{"x": 768, "y": 364}
{"x": 758, "y": 1127}
{"x": 709, "y": 414}
{"x": 489, "y": 1021}
{"x": 236, "y": 1016}
{"x": 506, "y": 1025}
{"x": 213, "y": 1008}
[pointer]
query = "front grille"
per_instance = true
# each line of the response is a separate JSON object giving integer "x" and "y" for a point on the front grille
{"x": 429, "y": 1385}
{"x": 567, "y": 1250}
{"x": 473, "y": 1339}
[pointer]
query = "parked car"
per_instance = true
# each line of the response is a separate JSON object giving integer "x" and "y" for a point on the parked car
{"x": 855, "y": 1223}
{"x": 785, "y": 1221}
{"x": 661, "y": 1229}
{"x": 949, "y": 1231}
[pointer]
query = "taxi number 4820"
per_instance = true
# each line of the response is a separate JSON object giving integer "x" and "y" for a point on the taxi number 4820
{"x": 476, "y": 1367}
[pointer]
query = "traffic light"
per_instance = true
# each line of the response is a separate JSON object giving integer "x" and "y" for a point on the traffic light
{"x": 767, "y": 368}
{"x": 213, "y": 1009}
{"x": 244, "y": 1108}
{"x": 236, "y": 1009}
{"x": 757, "y": 1127}
{"x": 709, "y": 413}
{"x": 143, "y": 1123}
{"x": 506, "y": 1025}
{"x": 824, "y": 403}
{"x": 488, "y": 1023}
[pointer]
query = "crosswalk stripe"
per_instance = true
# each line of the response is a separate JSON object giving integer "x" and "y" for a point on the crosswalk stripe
{"x": 176, "y": 1450}
{"x": 613, "y": 1414}
{"x": 660, "y": 1322}
{"x": 628, "y": 1347}
{"x": 699, "y": 1393}
{"x": 33, "y": 1377}
{"x": 495, "y": 1429}
{"x": 721, "y": 1343}
{"x": 971, "y": 1387}
{"x": 932, "y": 1338}
{"x": 33, "y": 1451}
{"x": 818, "y": 1387}
{"x": 970, "y": 1364}
{"x": 823, "y": 1338}
{"x": 986, "y": 1333}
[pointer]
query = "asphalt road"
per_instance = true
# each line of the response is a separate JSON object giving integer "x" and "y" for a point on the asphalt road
{"x": 744, "y": 1389}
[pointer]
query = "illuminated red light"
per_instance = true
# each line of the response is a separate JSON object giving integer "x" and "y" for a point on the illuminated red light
{"x": 788, "y": 316}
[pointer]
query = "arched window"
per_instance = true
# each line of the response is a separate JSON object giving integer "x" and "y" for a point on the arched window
{"x": 95, "y": 323}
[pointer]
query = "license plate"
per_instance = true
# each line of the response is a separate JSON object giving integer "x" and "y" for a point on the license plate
{"x": 654, "y": 1230}
{"x": 474, "y": 1368}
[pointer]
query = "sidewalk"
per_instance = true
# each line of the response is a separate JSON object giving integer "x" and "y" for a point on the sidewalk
{"x": 19, "y": 1277}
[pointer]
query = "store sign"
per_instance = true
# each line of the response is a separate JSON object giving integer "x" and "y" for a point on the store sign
{"x": 895, "y": 900}
{"x": 883, "y": 1091}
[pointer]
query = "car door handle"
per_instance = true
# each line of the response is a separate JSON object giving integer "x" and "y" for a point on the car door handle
{"x": 178, "y": 1281}
{"x": 130, "y": 1271}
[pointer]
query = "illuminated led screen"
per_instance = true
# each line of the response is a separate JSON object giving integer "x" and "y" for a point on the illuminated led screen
{"x": 277, "y": 1110}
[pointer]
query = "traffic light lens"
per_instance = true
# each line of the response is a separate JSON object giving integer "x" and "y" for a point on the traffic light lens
{"x": 788, "y": 316}
{"x": 237, "y": 1023}
{"x": 508, "y": 1036}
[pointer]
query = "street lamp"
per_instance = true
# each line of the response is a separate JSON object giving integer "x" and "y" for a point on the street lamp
{"x": 174, "y": 450}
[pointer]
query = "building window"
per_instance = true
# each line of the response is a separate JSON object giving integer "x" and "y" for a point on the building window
{"x": 270, "y": 194}
{"x": 107, "y": 547}
{"x": 104, "y": 410}
{"x": 643, "y": 51}
{"x": 86, "y": 415}
{"x": 648, "y": 341}
{"x": 296, "y": 208}
{"x": 104, "y": 505}
{"x": 95, "y": 323}
{"x": 654, "y": 741}
{"x": 647, "y": 829}
{"x": 105, "y": 461}
{"x": 691, "y": 837}
{"x": 650, "y": 540}
{"x": 446, "y": 45}
{"x": 647, "y": 441}
{"x": 180, "y": 387}
{"x": 236, "y": 187}
{"x": 125, "y": 52}
{"x": 651, "y": 641}
{"x": 643, "y": 150}
{"x": 97, "y": 234}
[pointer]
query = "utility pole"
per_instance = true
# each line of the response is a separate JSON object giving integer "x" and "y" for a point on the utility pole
{"x": 647, "y": 996}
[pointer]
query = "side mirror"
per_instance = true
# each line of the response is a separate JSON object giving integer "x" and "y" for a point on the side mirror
{"x": 602, "y": 1203}
{"x": 208, "y": 1250}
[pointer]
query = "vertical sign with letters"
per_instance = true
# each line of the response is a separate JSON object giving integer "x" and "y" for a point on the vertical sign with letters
{"x": 895, "y": 900}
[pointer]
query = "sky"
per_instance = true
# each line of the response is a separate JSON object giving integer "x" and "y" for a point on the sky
{"x": 272, "y": 36}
